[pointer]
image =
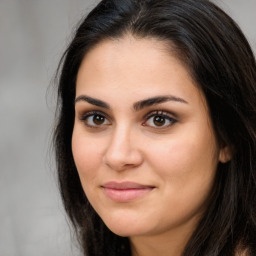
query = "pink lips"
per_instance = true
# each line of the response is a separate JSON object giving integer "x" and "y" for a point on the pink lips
{"x": 125, "y": 191}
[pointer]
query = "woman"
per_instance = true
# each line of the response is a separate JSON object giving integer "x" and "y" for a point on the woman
{"x": 155, "y": 141}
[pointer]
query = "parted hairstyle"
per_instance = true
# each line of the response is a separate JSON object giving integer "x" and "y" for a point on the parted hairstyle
{"x": 221, "y": 62}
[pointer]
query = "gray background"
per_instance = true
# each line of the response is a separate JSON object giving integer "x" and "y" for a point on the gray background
{"x": 33, "y": 34}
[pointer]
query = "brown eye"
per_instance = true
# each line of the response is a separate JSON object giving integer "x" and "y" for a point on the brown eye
{"x": 95, "y": 120}
{"x": 98, "y": 119}
{"x": 159, "y": 120}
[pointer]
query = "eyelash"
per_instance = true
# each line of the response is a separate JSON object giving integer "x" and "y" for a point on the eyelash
{"x": 163, "y": 115}
{"x": 166, "y": 116}
{"x": 92, "y": 114}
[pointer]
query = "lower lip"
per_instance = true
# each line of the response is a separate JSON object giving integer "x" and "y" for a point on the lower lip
{"x": 126, "y": 195}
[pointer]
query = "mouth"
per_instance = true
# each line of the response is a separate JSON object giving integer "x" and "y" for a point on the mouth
{"x": 125, "y": 191}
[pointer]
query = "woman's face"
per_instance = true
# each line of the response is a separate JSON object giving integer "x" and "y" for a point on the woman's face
{"x": 143, "y": 142}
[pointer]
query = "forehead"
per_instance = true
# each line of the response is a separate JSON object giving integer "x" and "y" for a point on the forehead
{"x": 126, "y": 52}
{"x": 130, "y": 66}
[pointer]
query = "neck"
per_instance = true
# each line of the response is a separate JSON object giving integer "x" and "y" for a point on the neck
{"x": 170, "y": 243}
{"x": 151, "y": 248}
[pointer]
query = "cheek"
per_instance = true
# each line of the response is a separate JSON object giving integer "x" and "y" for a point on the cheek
{"x": 187, "y": 172}
{"x": 184, "y": 159}
{"x": 87, "y": 157}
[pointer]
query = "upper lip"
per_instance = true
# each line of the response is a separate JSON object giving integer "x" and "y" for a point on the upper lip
{"x": 125, "y": 185}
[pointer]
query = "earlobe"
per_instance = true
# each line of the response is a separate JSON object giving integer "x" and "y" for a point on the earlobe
{"x": 225, "y": 154}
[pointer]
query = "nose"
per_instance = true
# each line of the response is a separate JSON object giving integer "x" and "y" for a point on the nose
{"x": 122, "y": 151}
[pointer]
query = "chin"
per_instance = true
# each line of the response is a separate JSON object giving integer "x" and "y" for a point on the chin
{"x": 125, "y": 232}
{"x": 126, "y": 229}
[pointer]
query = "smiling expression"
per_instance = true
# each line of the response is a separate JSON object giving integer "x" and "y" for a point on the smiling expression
{"x": 143, "y": 141}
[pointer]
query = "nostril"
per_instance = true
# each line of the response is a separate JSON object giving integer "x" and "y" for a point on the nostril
{"x": 120, "y": 160}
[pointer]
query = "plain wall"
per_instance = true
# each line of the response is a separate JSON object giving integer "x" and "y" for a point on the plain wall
{"x": 33, "y": 35}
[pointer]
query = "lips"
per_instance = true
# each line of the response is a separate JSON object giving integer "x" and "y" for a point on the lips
{"x": 125, "y": 191}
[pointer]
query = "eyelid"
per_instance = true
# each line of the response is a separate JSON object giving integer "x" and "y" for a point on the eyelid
{"x": 85, "y": 115}
{"x": 160, "y": 112}
{"x": 166, "y": 114}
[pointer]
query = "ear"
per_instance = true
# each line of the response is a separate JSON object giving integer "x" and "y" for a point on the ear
{"x": 225, "y": 154}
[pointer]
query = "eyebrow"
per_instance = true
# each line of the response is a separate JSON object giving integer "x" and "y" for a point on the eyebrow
{"x": 92, "y": 101}
{"x": 156, "y": 100}
{"x": 137, "y": 105}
